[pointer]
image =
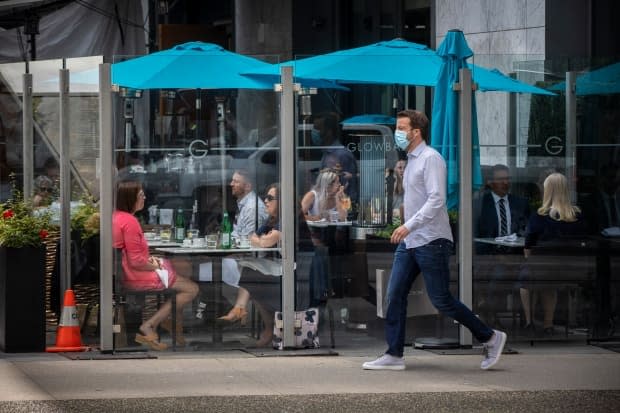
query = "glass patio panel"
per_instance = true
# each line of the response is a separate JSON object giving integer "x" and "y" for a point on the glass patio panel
{"x": 185, "y": 146}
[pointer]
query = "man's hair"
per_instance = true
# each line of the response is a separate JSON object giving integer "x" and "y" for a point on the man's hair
{"x": 43, "y": 181}
{"x": 330, "y": 121}
{"x": 127, "y": 195}
{"x": 50, "y": 162}
{"x": 417, "y": 120}
{"x": 499, "y": 168}
{"x": 247, "y": 175}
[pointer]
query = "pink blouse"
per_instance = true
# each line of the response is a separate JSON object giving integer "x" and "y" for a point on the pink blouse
{"x": 128, "y": 235}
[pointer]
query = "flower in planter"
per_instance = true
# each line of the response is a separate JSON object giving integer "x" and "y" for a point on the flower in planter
{"x": 21, "y": 225}
{"x": 85, "y": 219}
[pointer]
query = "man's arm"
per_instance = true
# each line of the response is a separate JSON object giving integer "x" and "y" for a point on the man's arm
{"x": 435, "y": 175}
{"x": 435, "y": 188}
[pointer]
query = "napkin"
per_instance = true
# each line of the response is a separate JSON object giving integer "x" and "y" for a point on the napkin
{"x": 163, "y": 276}
{"x": 508, "y": 238}
{"x": 611, "y": 232}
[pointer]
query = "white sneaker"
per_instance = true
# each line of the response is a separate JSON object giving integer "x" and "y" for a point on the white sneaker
{"x": 385, "y": 362}
{"x": 493, "y": 349}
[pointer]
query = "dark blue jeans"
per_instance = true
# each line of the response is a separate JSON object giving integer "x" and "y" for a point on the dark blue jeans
{"x": 432, "y": 260}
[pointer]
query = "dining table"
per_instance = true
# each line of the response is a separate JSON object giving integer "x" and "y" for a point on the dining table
{"x": 518, "y": 242}
{"x": 155, "y": 243}
{"x": 215, "y": 255}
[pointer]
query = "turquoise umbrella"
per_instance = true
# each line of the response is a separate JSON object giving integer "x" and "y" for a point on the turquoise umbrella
{"x": 445, "y": 121}
{"x": 603, "y": 81}
{"x": 371, "y": 118}
{"x": 396, "y": 62}
{"x": 195, "y": 65}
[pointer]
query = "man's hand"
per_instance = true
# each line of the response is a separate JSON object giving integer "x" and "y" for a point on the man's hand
{"x": 399, "y": 234}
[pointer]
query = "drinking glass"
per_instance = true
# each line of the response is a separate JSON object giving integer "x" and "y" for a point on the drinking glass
{"x": 346, "y": 202}
{"x": 212, "y": 241}
{"x": 165, "y": 234}
{"x": 244, "y": 241}
{"x": 333, "y": 216}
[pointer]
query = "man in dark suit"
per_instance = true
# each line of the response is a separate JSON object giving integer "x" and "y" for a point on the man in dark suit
{"x": 489, "y": 217}
{"x": 497, "y": 213}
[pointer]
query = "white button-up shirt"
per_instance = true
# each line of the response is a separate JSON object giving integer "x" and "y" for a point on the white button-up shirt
{"x": 246, "y": 220}
{"x": 424, "y": 182}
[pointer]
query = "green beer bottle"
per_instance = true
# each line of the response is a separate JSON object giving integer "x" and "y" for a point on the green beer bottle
{"x": 226, "y": 231}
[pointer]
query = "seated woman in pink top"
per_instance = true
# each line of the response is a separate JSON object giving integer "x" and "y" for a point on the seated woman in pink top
{"x": 140, "y": 267}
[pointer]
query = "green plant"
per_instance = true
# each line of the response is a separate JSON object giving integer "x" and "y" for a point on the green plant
{"x": 20, "y": 224}
{"x": 387, "y": 231}
{"x": 85, "y": 219}
{"x": 453, "y": 215}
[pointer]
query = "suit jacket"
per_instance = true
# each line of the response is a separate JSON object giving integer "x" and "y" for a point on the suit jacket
{"x": 486, "y": 224}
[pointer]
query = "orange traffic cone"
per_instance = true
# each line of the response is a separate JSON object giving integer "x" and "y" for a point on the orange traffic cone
{"x": 68, "y": 333}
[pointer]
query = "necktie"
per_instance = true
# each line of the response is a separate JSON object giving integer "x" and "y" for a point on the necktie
{"x": 503, "y": 229}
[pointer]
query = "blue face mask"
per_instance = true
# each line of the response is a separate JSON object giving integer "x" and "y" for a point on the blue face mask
{"x": 316, "y": 137}
{"x": 400, "y": 138}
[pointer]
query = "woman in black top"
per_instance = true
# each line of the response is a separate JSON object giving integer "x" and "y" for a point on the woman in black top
{"x": 555, "y": 220}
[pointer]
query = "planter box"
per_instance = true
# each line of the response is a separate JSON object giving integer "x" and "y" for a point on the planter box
{"x": 22, "y": 299}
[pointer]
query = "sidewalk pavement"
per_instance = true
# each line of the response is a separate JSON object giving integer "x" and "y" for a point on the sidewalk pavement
{"x": 540, "y": 378}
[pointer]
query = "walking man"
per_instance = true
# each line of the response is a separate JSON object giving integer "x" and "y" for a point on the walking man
{"x": 424, "y": 245}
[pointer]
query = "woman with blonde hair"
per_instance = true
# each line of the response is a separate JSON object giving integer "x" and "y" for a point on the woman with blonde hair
{"x": 326, "y": 195}
{"x": 555, "y": 220}
{"x": 324, "y": 199}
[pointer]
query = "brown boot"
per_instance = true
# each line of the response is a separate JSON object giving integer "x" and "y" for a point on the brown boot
{"x": 235, "y": 314}
{"x": 167, "y": 325}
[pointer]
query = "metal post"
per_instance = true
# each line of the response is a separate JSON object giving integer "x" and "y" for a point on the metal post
{"x": 65, "y": 183}
{"x": 287, "y": 204}
{"x": 465, "y": 199}
{"x": 106, "y": 204}
{"x": 420, "y": 98}
{"x": 520, "y": 148}
{"x": 571, "y": 134}
{"x": 221, "y": 128}
{"x": 27, "y": 135}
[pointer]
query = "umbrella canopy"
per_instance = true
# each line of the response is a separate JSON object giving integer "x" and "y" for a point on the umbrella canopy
{"x": 370, "y": 118}
{"x": 389, "y": 62}
{"x": 193, "y": 65}
{"x": 603, "y": 81}
{"x": 445, "y": 126}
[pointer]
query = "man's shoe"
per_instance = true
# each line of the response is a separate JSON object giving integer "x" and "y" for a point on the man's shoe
{"x": 493, "y": 349}
{"x": 385, "y": 362}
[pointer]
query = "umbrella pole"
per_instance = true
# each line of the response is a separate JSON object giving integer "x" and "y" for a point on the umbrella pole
{"x": 571, "y": 133}
{"x": 465, "y": 198}
{"x": 198, "y": 115}
{"x": 27, "y": 134}
{"x": 221, "y": 114}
